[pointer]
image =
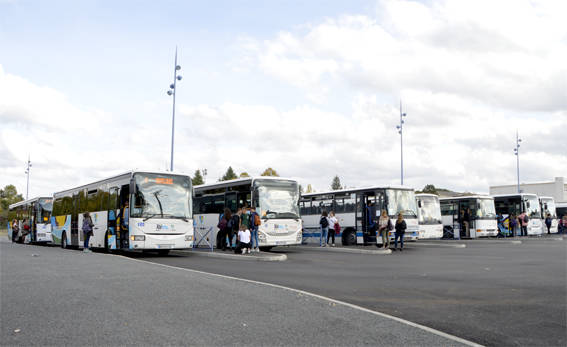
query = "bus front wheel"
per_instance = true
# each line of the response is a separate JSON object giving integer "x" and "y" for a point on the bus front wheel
{"x": 265, "y": 248}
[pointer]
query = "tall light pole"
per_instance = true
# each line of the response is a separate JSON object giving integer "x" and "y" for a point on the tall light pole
{"x": 204, "y": 171}
{"x": 172, "y": 91}
{"x": 517, "y": 153}
{"x": 400, "y": 128}
{"x": 28, "y": 176}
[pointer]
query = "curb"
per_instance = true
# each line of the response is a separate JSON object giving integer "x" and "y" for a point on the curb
{"x": 350, "y": 250}
{"x": 431, "y": 244}
{"x": 251, "y": 257}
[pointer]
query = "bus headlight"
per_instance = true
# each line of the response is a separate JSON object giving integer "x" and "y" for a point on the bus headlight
{"x": 261, "y": 236}
{"x": 138, "y": 238}
{"x": 299, "y": 236}
{"x": 188, "y": 237}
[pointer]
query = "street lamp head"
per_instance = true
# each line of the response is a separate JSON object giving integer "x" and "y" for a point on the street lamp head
{"x": 397, "y": 127}
{"x": 400, "y": 132}
{"x": 172, "y": 86}
{"x": 519, "y": 140}
{"x": 178, "y": 67}
{"x": 169, "y": 92}
{"x": 403, "y": 114}
{"x": 179, "y": 78}
{"x": 403, "y": 121}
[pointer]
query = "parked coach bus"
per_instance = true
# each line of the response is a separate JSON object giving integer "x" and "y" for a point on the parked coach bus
{"x": 36, "y": 214}
{"x": 547, "y": 205}
{"x": 518, "y": 203}
{"x": 357, "y": 211}
{"x": 469, "y": 216}
{"x": 158, "y": 215}
{"x": 429, "y": 216}
{"x": 275, "y": 199}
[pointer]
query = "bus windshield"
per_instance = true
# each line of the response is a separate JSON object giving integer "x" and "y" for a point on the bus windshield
{"x": 401, "y": 201}
{"x": 277, "y": 198}
{"x": 533, "y": 210}
{"x": 486, "y": 209}
{"x": 162, "y": 196}
{"x": 550, "y": 204}
{"x": 46, "y": 207}
{"x": 429, "y": 212}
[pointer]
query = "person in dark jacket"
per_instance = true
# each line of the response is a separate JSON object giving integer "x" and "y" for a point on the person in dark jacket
{"x": 224, "y": 229}
{"x": 400, "y": 231}
{"x": 87, "y": 230}
{"x": 548, "y": 221}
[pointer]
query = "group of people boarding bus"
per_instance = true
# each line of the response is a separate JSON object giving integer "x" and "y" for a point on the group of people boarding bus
{"x": 159, "y": 211}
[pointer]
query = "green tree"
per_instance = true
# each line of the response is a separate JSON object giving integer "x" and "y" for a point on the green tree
{"x": 430, "y": 189}
{"x": 244, "y": 174}
{"x": 269, "y": 172}
{"x": 197, "y": 178}
{"x": 229, "y": 175}
{"x": 9, "y": 195}
{"x": 336, "y": 184}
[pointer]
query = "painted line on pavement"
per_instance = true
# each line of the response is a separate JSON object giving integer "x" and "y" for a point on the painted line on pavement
{"x": 434, "y": 244}
{"x": 247, "y": 257}
{"x": 349, "y": 250}
{"x": 356, "y": 307}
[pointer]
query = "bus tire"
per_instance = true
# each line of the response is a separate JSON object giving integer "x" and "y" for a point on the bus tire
{"x": 349, "y": 237}
{"x": 163, "y": 252}
{"x": 64, "y": 244}
{"x": 266, "y": 248}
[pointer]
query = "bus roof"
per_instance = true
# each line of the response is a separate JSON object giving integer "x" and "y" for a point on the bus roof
{"x": 238, "y": 182}
{"x": 354, "y": 190}
{"x": 512, "y": 195}
{"x": 116, "y": 177}
{"x": 466, "y": 197}
{"x": 425, "y": 194}
{"x": 28, "y": 201}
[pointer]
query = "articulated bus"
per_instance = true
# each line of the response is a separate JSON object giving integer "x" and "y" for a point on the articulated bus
{"x": 355, "y": 208}
{"x": 275, "y": 199}
{"x": 516, "y": 204}
{"x": 547, "y": 205}
{"x": 36, "y": 214}
{"x": 159, "y": 216}
{"x": 429, "y": 216}
{"x": 469, "y": 217}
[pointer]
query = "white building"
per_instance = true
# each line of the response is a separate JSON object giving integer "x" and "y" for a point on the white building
{"x": 557, "y": 189}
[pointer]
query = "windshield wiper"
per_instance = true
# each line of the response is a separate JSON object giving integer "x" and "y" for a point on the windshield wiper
{"x": 151, "y": 216}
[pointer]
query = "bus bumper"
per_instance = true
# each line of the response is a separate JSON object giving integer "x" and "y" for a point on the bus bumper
{"x": 151, "y": 241}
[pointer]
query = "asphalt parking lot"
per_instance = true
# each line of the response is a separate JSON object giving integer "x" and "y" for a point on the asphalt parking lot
{"x": 490, "y": 292}
{"x": 51, "y": 296}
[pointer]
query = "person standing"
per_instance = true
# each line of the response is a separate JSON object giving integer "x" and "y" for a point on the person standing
{"x": 523, "y": 222}
{"x": 548, "y": 221}
{"x": 324, "y": 223}
{"x": 513, "y": 222}
{"x": 332, "y": 223}
{"x": 384, "y": 227}
{"x": 87, "y": 230}
{"x": 235, "y": 227}
{"x": 562, "y": 225}
{"x": 224, "y": 228}
{"x": 400, "y": 231}
{"x": 15, "y": 230}
{"x": 255, "y": 222}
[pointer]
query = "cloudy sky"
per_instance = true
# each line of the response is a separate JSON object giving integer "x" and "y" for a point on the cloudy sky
{"x": 310, "y": 88}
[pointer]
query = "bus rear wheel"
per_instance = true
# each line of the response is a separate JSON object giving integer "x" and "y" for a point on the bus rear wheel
{"x": 64, "y": 241}
{"x": 349, "y": 238}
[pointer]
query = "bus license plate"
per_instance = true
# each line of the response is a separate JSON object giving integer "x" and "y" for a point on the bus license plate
{"x": 280, "y": 242}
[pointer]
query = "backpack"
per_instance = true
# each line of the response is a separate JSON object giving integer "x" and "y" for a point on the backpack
{"x": 390, "y": 226}
{"x": 235, "y": 222}
{"x": 229, "y": 224}
{"x": 324, "y": 222}
{"x": 337, "y": 228}
{"x": 257, "y": 220}
{"x": 222, "y": 224}
{"x": 526, "y": 219}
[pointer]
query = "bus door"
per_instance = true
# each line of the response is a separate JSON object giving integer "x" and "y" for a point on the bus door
{"x": 465, "y": 218}
{"x": 231, "y": 201}
{"x": 366, "y": 216}
{"x": 113, "y": 212}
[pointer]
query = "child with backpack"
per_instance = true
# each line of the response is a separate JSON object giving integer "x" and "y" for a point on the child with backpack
{"x": 324, "y": 223}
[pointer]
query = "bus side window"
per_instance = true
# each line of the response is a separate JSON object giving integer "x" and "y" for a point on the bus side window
{"x": 57, "y": 207}
{"x": 92, "y": 205}
{"x": 349, "y": 205}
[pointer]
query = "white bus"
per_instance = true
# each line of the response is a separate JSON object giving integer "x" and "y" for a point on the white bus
{"x": 516, "y": 204}
{"x": 356, "y": 210}
{"x": 275, "y": 199}
{"x": 547, "y": 205}
{"x": 429, "y": 216}
{"x": 469, "y": 217}
{"x": 36, "y": 214}
{"x": 159, "y": 217}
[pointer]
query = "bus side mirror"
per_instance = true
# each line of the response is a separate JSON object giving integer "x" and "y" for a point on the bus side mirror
{"x": 132, "y": 186}
{"x": 528, "y": 204}
{"x": 545, "y": 206}
{"x": 419, "y": 204}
